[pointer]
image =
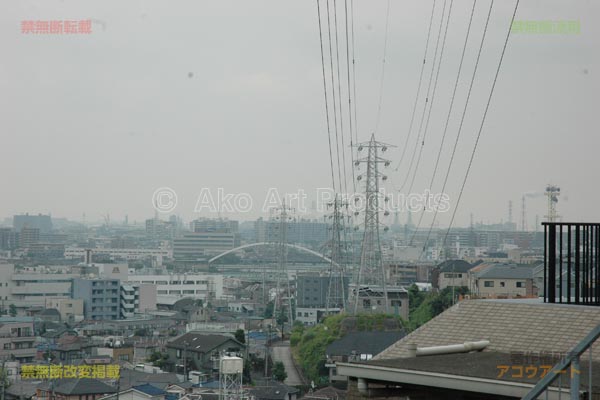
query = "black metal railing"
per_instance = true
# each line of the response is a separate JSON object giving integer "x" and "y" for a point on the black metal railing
{"x": 571, "y": 263}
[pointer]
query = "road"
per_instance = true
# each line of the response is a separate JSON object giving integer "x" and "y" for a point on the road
{"x": 281, "y": 352}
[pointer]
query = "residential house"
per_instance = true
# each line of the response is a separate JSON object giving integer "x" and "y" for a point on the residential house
{"x": 201, "y": 351}
{"x": 504, "y": 281}
{"x": 17, "y": 338}
{"x": 74, "y": 389}
{"x": 274, "y": 391}
{"x": 145, "y": 391}
{"x": 451, "y": 273}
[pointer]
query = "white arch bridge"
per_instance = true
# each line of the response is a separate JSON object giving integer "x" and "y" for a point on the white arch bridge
{"x": 260, "y": 244}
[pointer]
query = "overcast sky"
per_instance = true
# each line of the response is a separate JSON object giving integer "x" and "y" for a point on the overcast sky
{"x": 208, "y": 94}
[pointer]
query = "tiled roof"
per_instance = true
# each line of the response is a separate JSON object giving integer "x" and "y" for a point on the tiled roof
{"x": 199, "y": 342}
{"x": 454, "y": 266}
{"x": 487, "y": 365}
{"x": 149, "y": 389}
{"x": 507, "y": 271}
{"x": 510, "y": 326}
{"x": 81, "y": 386}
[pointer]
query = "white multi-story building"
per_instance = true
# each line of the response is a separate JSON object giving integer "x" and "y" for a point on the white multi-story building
{"x": 194, "y": 285}
{"x": 124, "y": 254}
{"x": 27, "y": 289}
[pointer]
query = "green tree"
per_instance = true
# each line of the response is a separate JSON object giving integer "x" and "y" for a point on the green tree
{"x": 240, "y": 336}
{"x": 12, "y": 310}
{"x": 269, "y": 310}
{"x": 282, "y": 318}
{"x": 158, "y": 359}
{"x": 141, "y": 332}
{"x": 279, "y": 373}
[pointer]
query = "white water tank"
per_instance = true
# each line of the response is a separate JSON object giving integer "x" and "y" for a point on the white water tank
{"x": 232, "y": 365}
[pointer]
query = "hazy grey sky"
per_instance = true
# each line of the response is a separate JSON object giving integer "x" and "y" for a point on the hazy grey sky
{"x": 208, "y": 94}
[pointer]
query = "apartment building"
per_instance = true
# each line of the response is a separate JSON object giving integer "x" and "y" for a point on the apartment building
{"x": 137, "y": 298}
{"x": 101, "y": 297}
{"x": 17, "y": 339}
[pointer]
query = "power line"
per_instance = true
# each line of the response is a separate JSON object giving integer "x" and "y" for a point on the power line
{"x": 412, "y": 118}
{"x": 337, "y": 51}
{"x": 333, "y": 97}
{"x": 412, "y": 159}
{"x": 432, "y": 97}
{"x": 462, "y": 57}
{"x": 326, "y": 98}
{"x": 382, "y": 77}
{"x": 462, "y": 117}
{"x": 349, "y": 94}
{"x": 354, "y": 72}
{"x": 487, "y": 106}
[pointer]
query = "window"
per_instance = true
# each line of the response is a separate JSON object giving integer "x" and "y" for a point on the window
{"x": 488, "y": 283}
{"x": 521, "y": 284}
{"x": 502, "y": 284}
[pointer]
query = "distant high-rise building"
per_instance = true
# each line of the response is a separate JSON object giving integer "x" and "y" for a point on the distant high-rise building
{"x": 307, "y": 232}
{"x": 28, "y": 236}
{"x": 214, "y": 225}
{"x": 41, "y": 222}
{"x": 8, "y": 239}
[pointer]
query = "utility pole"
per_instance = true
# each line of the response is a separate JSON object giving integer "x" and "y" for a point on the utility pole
{"x": 370, "y": 284}
{"x": 185, "y": 345}
{"x": 267, "y": 344}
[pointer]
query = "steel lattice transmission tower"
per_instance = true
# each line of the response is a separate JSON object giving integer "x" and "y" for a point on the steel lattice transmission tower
{"x": 552, "y": 193}
{"x": 369, "y": 290}
{"x": 282, "y": 277}
{"x": 338, "y": 250}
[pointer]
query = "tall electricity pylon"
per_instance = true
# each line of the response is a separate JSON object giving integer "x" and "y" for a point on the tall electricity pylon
{"x": 282, "y": 276}
{"x": 338, "y": 251}
{"x": 370, "y": 288}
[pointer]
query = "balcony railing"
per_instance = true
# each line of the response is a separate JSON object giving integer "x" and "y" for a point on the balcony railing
{"x": 571, "y": 263}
